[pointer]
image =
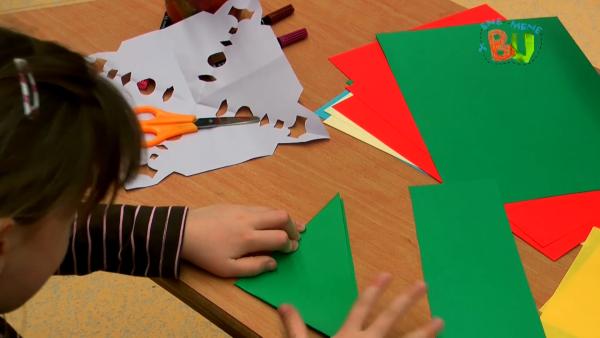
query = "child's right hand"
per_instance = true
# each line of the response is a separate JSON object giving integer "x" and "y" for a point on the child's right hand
{"x": 235, "y": 240}
{"x": 355, "y": 326}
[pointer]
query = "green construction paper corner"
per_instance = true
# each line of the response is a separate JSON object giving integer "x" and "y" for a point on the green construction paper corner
{"x": 475, "y": 279}
{"x": 318, "y": 279}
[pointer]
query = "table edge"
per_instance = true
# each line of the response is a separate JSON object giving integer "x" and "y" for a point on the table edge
{"x": 205, "y": 307}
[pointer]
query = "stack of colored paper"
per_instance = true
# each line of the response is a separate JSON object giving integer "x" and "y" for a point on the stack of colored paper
{"x": 447, "y": 102}
{"x": 477, "y": 98}
{"x": 377, "y": 113}
{"x": 538, "y": 139}
{"x": 573, "y": 310}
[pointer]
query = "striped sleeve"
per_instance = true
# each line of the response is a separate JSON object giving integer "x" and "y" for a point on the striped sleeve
{"x": 132, "y": 240}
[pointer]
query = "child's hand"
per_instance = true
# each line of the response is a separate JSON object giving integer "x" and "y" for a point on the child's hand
{"x": 355, "y": 326}
{"x": 234, "y": 240}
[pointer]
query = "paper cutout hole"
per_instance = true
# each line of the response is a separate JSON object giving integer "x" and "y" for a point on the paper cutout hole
{"x": 207, "y": 78}
{"x": 222, "y": 109}
{"x": 216, "y": 60}
{"x": 161, "y": 146}
{"x": 142, "y": 85}
{"x": 126, "y": 78}
{"x": 153, "y": 157}
{"x": 112, "y": 73}
{"x": 299, "y": 127}
{"x": 264, "y": 120}
{"x": 226, "y": 43}
{"x": 279, "y": 124}
{"x": 233, "y": 30}
{"x": 240, "y": 14}
{"x": 147, "y": 87}
{"x": 168, "y": 94}
{"x": 244, "y": 111}
{"x": 146, "y": 170}
{"x": 99, "y": 65}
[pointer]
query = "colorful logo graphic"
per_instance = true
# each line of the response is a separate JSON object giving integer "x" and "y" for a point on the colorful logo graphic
{"x": 510, "y": 42}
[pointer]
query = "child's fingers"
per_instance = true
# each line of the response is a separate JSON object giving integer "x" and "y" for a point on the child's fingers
{"x": 252, "y": 266}
{"x": 277, "y": 219}
{"x": 293, "y": 323}
{"x": 429, "y": 330}
{"x": 270, "y": 240}
{"x": 397, "y": 308}
{"x": 301, "y": 226}
{"x": 365, "y": 302}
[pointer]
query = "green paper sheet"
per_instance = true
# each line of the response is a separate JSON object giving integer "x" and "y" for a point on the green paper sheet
{"x": 533, "y": 127}
{"x": 318, "y": 279}
{"x": 471, "y": 264}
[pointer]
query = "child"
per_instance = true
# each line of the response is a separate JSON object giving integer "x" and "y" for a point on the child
{"x": 67, "y": 141}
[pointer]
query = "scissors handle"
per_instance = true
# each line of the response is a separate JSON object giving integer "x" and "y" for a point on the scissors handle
{"x": 164, "y": 125}
{"x": 163, "y": 117}
{"x": 163, "y": 132}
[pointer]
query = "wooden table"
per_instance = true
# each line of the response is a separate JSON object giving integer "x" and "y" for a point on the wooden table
{"x": 299, "y": 178}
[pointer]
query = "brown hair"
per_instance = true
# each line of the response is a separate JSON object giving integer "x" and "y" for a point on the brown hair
{"x": 80, "y": 145}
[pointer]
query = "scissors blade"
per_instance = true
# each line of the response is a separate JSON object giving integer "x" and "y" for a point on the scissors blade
{"x": 212, "y": 122}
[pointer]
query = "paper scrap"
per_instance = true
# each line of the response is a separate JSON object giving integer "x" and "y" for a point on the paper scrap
{"x": 318, "y": 279}
{"x": 252, "y": 72}
{"x": 471, "y": 264}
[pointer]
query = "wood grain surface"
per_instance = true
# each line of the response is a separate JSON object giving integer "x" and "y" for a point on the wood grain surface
{"x": 298, "y": 178}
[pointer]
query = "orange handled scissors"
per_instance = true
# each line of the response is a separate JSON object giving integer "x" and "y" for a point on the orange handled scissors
{"x": 164, "y": 125}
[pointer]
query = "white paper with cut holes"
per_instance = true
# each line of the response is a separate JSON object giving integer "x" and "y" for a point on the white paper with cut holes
{"x": 256, "y": 74}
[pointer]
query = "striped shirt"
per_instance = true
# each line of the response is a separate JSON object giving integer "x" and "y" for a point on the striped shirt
{"x": 132, "y": 240}
{"x": 127, "y": 239}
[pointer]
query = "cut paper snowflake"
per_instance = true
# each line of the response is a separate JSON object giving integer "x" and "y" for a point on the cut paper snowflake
{"x": 196, "y": 65}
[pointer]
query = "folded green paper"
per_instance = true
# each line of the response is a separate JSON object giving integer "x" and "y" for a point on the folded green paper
{"x": 318, "y": 279}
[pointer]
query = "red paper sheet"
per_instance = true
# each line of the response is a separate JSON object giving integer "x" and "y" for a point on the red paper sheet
{"x": 555, "y": 225}
{"x": 375, "y": 87}
{"x": 557, "y": 249}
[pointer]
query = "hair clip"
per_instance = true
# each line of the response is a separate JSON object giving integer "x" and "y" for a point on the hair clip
{"x": 31, "y": 97}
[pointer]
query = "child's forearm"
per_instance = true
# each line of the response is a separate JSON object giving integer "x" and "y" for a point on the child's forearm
{"x": 133, "y": 240}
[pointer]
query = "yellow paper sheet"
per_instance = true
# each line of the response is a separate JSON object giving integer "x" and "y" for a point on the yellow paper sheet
{"x": 340, "y": 122}
{"x": 9, "y": 6}
{"x": 552, "y": 332}
{"x": 588, "y": 247}
{"x": 574, "y": 309}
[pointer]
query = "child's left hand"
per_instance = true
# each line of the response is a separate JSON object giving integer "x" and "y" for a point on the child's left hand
{"x": 234, "y": 240}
